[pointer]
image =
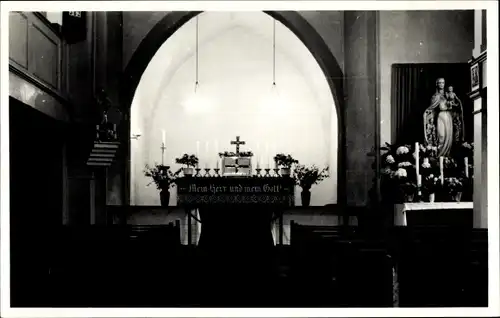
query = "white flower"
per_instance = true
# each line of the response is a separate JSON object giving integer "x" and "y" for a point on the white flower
{"x": 431, "y": 176}
{"x": 401, "y": 173}
{"x": 390, "y": 159}
{"x": 426, "y": 164}
{"x": 402, "y": 150}
{"x": 429, "y": 147}
{"x": 404, "y": 164}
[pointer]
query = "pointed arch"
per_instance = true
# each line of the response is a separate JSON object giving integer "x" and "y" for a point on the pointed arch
{"x": 169, "y": 24}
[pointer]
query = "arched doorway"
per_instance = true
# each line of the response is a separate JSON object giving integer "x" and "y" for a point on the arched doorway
{"x": 292, "y": 20}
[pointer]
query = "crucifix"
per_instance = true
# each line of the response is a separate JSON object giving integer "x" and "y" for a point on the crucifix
{"x": 237, "y": 143}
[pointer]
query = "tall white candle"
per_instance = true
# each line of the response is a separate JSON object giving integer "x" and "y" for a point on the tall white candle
{"x": 267, "y": 154}
{"x": 441, "y": 169}
{"x": 163, "y": 137}
{"x": 207, "y": 158}
{"x": 419, "y": 180}
{"x": 466, "y": 162}
{"x": 417, "y": 159}
{"x": 197, "y": 149}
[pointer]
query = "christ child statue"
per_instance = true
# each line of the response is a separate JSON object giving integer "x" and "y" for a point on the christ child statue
{"x": 451, "y": 97}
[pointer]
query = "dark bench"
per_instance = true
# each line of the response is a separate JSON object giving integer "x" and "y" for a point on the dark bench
{"x": 113, "y": 264}
{"x": 440, "y": 266}
{"x": 341, "y": 266}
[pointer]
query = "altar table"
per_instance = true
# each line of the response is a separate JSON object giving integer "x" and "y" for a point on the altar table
{"x": 433, "y": 214}
{"x": 236, "y": 206}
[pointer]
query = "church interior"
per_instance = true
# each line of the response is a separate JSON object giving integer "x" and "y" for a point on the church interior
{"x": 248, "y": 159}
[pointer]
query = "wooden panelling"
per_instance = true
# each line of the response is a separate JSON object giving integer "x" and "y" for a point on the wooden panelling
{"x": 43, "y": 55}
{"x": 24, "y": 89}
{"x": 35, "y": 48}
{"x": 18, "y": 33}
{"x": 44, "y": 52}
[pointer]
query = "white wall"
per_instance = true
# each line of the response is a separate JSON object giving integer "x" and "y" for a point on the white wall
{"x": 235, "y": 74}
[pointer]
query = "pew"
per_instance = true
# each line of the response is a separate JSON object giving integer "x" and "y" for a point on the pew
{"x": 348, "y": 266}
{"x": 440, "y": 266}
{"x": 113, "y": 264}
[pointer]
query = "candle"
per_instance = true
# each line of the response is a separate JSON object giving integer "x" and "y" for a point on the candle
{"x": 441, "y": 168}
{"x": 163, "y": 137}
{"x": 419, "y": 180}
{"x": 417, "y": 159}
{"x": 206, "y": 155}
{"x": 217, "y": 164}
{"x": 466, "y": 161}
{"x": 197, "y": 149}
{"x": 267, "y": 154}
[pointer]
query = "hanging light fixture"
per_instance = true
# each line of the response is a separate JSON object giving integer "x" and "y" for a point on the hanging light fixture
{"x": 195, "y": 103}
{"x": 274, "y": 102}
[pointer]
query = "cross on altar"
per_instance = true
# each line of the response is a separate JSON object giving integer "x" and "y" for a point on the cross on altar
{"x": 237, "y": 143}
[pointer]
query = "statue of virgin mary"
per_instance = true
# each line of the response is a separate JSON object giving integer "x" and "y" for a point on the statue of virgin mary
{"x": 443, "y": 120}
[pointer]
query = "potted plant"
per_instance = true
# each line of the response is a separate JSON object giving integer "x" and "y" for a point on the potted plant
{"x": 163, "y": 178}
{"x": 305, "y": 177}
{"x": 285, "y": 162}
{"x": 189, "y": 161}
{"x": 454, "y": 187}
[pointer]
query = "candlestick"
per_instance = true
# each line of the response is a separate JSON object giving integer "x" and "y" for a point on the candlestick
{"x": 466, "y": 161}
{"x": 441, "y": 169}
{"x": 417, "y": 159}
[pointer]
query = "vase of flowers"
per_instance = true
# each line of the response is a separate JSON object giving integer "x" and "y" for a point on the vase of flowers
{"x": 408, "y": 189}
{"x": 454, "y": 187}
{"x": 430, "y": 185}
{"x": 189, "y": 162}
{"x": 164, "y": 179}
{"x": 306, "y": 177}
{"x": 285, "y": 163}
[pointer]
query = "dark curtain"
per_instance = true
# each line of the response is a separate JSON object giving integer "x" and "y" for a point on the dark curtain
{"x": 412, "y": 87}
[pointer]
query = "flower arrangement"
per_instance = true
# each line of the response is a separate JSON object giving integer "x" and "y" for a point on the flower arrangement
{"x": 187, "y": 160}
{"x": 285, "y": 161}
{"x": 454, "y": 185}
{"x": 306, "y": 177}
{"x": 397, "y": 162}
{"x": 162, "y": 176}
{"x": 233, "y": 154}
{"x": 399, "y": 170}
{"x": 431, "y": 183}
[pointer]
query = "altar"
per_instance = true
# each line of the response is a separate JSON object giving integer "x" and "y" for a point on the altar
{"x": 434, "y": 214}
{"x": 239, "y": 202}
{"x": 242, "y": 207}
